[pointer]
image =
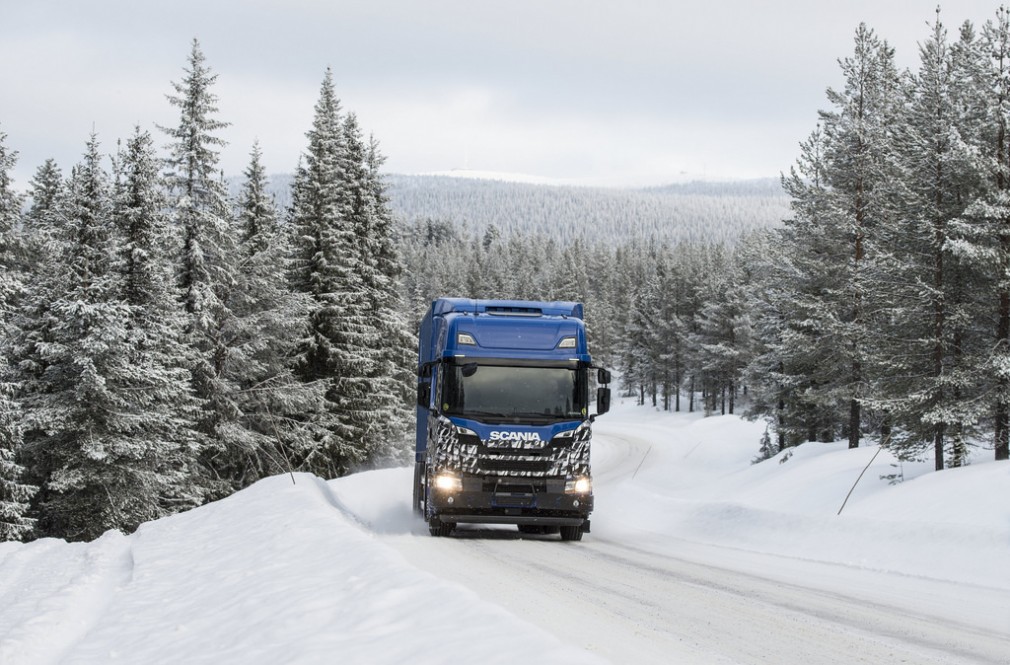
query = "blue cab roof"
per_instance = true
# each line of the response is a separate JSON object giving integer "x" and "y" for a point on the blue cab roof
{"x": 503, "y": 329}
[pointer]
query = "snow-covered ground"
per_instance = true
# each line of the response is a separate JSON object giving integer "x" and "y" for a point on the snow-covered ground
{"x": 695, "y": 556}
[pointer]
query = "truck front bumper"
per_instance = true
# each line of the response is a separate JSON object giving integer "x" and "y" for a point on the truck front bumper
{"x": 536, "y": 501}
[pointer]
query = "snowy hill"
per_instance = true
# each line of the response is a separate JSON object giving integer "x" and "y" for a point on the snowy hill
{"x": 685, "y": 212}
{"x": 299, "y": 570}
{"x": 696, "y": 211}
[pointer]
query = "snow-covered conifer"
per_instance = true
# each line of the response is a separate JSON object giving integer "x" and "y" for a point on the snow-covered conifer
{"x": 166, "y": 410}
{"x": 206, "y": 262}
{"x": 326, "y": 267}
{"x": 266, "y": 415}
{"x": 11, "y": 245}
{"x": 83, "y": 397}
{"x": 927, "y": 395}
{"x": 15, "y": 494}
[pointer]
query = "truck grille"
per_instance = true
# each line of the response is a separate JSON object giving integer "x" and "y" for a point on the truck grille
{"x": 505, "y": 466}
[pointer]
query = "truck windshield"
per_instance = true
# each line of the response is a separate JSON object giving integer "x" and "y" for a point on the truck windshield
{"x": 493, "y": 391}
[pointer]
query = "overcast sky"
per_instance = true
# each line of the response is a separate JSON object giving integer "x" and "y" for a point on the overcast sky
{"x": 616, "y": 92}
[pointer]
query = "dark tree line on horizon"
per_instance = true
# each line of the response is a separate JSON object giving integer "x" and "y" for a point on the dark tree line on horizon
{"x": 164, "y": 344}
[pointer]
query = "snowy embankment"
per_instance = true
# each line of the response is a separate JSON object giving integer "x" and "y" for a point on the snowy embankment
{"x": 701, "y": 486}
{"x": 315, "y": 571}
{"x": 278, "y": 573}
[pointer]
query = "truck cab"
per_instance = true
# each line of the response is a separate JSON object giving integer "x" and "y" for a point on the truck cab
{"x": 503, "y": 416}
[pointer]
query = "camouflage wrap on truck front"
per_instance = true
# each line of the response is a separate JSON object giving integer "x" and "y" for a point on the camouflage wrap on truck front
{"x": 460, "y": 450}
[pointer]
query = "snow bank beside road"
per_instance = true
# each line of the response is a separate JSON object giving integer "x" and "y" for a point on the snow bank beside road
{"x": 700, "y": 485}
{"x": 273, "y": 574}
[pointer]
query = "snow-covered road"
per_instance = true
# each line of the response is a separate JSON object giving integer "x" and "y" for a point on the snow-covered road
{"x": 631, "y": 594}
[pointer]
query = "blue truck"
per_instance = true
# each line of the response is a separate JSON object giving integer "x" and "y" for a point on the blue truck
{"x": 503, "y": 420}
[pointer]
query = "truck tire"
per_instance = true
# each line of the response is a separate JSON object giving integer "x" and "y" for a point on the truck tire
{"x": 418, "y": 487}
{"x": 571, "y": 532}
{"x": 439, "y": 528}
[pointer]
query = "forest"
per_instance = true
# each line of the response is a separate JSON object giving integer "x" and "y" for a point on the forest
{"x": 167, "y": 340}
{"x": 164, "y": 344}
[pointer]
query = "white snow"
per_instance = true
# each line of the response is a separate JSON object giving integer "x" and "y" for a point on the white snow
{"x": 341, "y": 571}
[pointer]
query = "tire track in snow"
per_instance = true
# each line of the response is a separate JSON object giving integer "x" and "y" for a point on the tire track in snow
{"x": 65, "y": 605}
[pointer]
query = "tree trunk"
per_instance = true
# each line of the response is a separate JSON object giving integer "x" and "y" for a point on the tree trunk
{"x": 1002, "y": 415}
{"x": 939, "y": 316}
{"x": 854, "y": 420}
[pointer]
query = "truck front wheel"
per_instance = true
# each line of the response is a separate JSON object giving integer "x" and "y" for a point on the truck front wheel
{"x": 571, "y": 532}
{"x": 439, "y": 528}
{"x": 419, "y": 487}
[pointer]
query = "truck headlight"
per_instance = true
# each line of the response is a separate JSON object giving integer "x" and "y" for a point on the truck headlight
{"x": 580, "y": 485}
{"x": 448, "y": 482}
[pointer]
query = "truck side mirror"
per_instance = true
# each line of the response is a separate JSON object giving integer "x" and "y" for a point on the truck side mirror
{"x": 602, "y": 400}
{"x": 603, "y": 375}
{"x": 423, "y": 395}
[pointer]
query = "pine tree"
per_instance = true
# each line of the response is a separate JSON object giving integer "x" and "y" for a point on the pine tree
{"x": 991, "y": 215}
{"x": 840, "y": 216}
{"x": 979, "y": 238}
{"x": 926, "y": 393}
{"x": 802, "y": 350}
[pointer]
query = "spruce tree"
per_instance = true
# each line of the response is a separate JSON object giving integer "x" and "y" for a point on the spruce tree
{"x": 46, "y": 191}
{"x": 11, "y": 245}
{"x": 15, "y": 494}
{"x": 270, "y": 414}
{"x": 84, "y": 399}
{"x": 394, "y": 342}
{"x": 326, "y": 266}
{"x": 198, "y": 197}
{"x": 165, "y": 408}
{"x": 204, "y": 268}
